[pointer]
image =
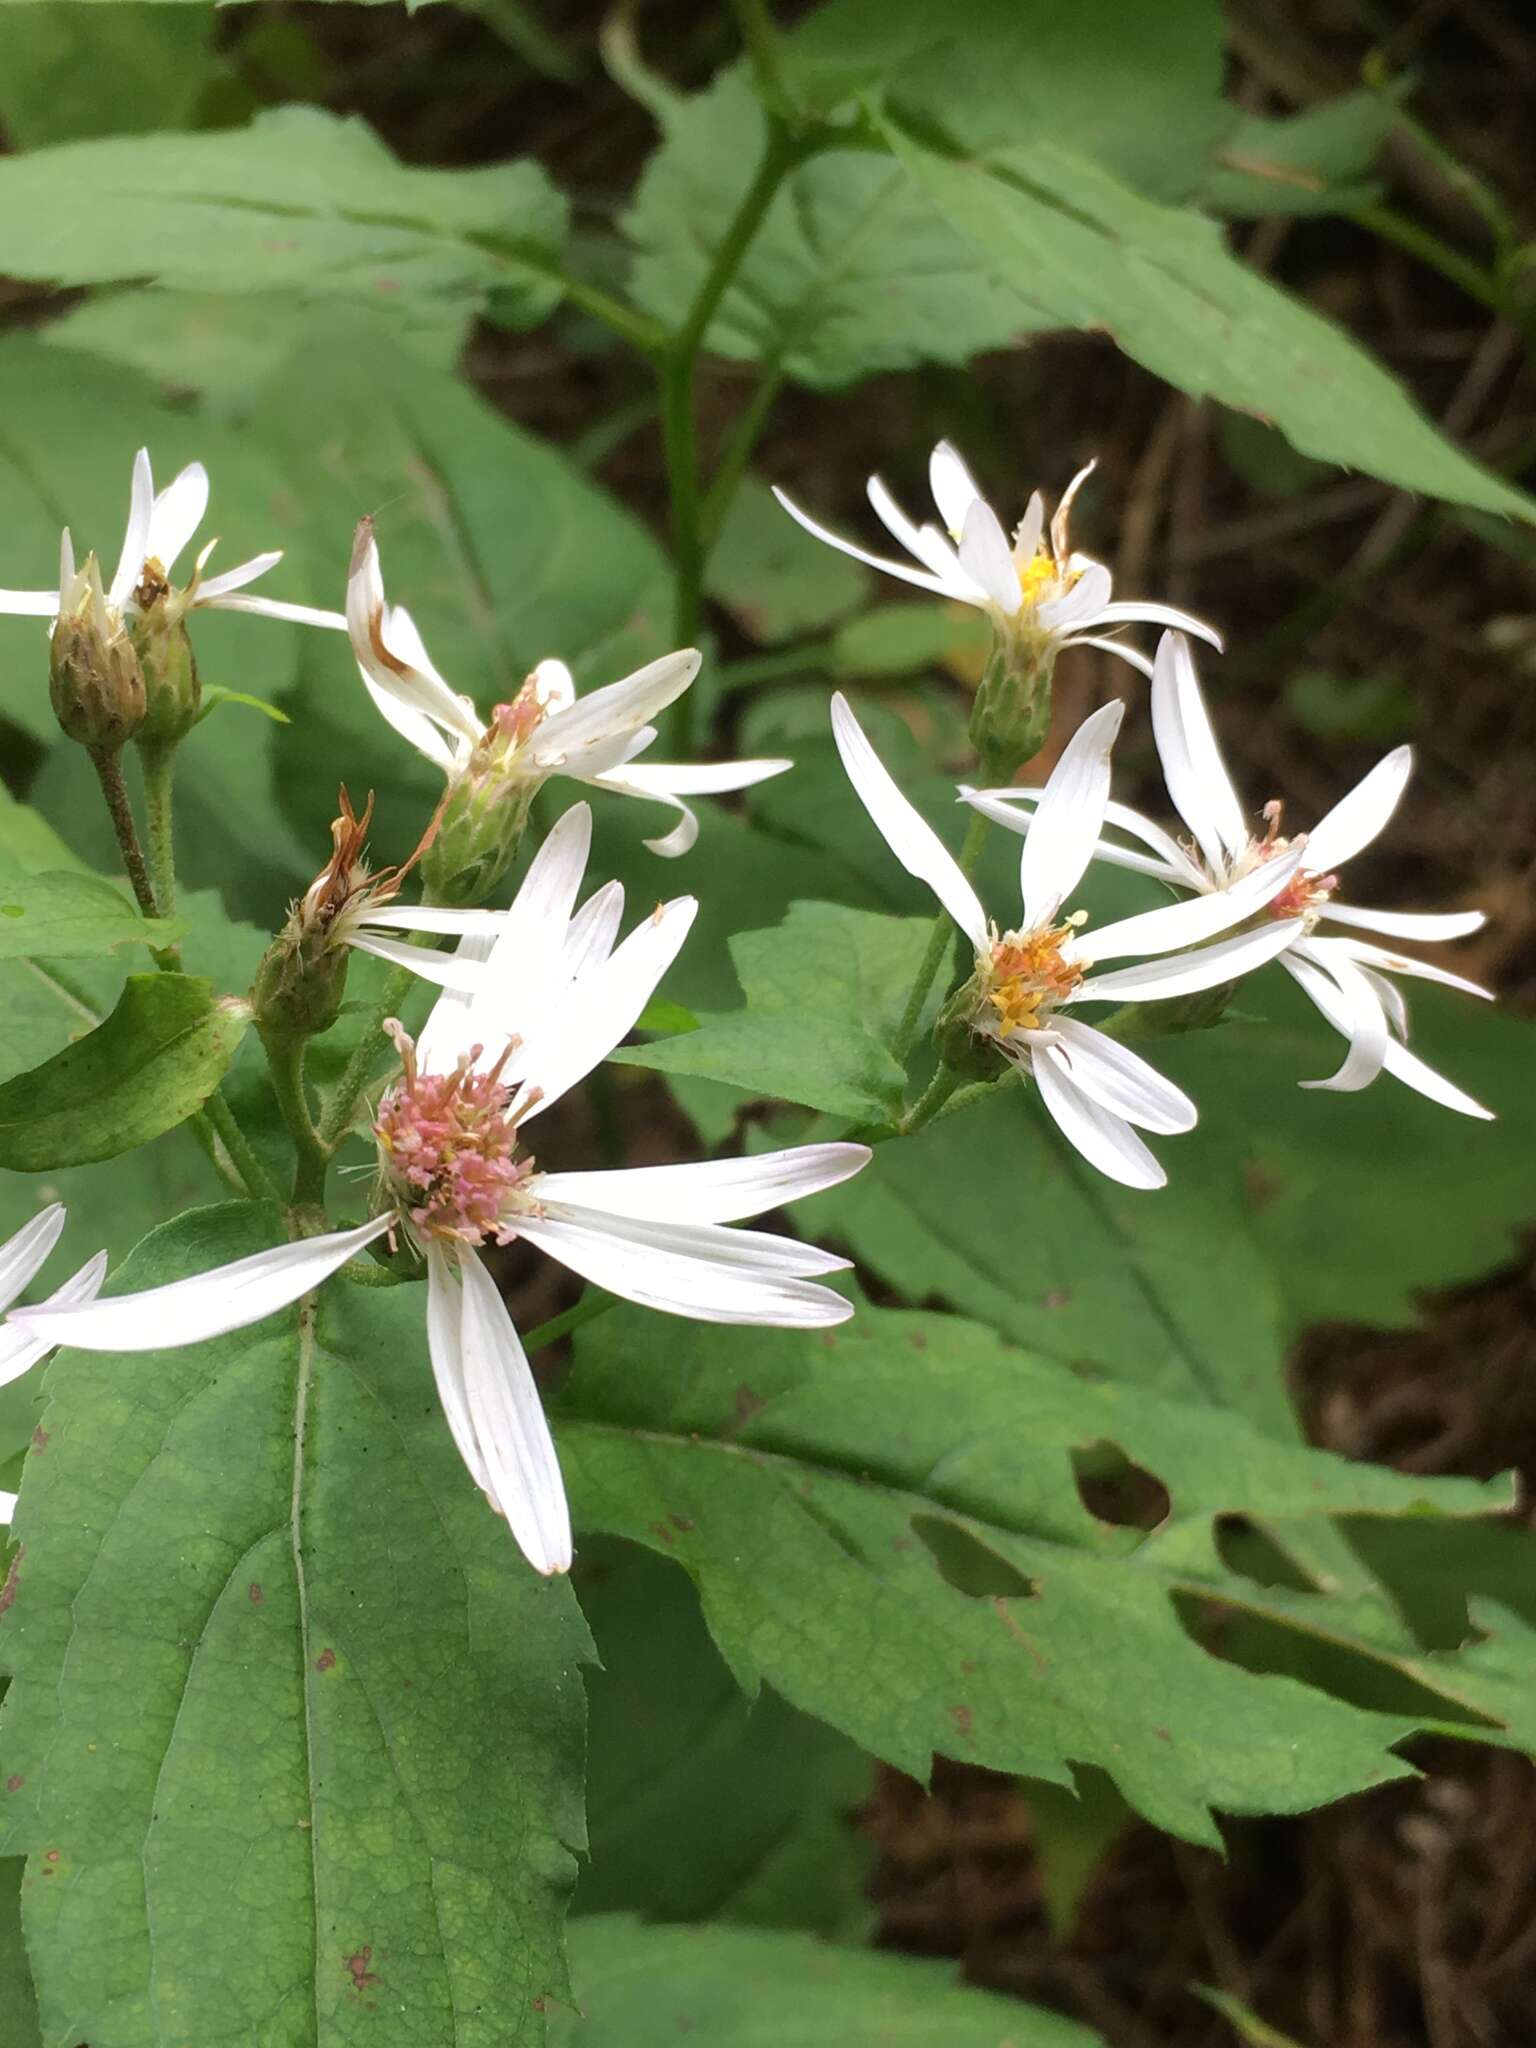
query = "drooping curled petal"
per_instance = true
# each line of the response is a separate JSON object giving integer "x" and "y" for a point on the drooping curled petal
{"x": 204, "y": 1305}
{"x": 1069, "y": 819}
{"x": 22, "y": 1256}
{"x": 706, "y": 1190}
{"x": 1193, "y": 769}
{"x": 1135, "y": 611}
{"x": 400, "y": 678}
{"x": 669, "y": 783}
{"x": 709, "y": 1273}
{"x": 1346, "y": 998}
{"x": 1105, "y": 1140}
{"x": 19, "y": 1352}
{"x": 910, "y": 837}
{"x": 498, "y": 1404}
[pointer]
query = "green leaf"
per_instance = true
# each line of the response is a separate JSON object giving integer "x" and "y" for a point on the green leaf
{"x": 300, "y": 200}
{"x": 155, "y": 1060}
{"x": 70, "y": 916}
{"x": 772, "y": 576}
{"x": 648, "y": 1987}
{"x": 67, "y": 72}
{"x": 18, "y": 2003}
{"x": 824, "y": 994}
{"x": 1318, "y": 161}
{"x": 887, "y": 1524}
{"x": 854, "y": 269}
{"x": 753, "y": 1799}
{"x": 292, "y": 1730}
{"x": 214, "y": 695}
{"x": 1084, "y": 250}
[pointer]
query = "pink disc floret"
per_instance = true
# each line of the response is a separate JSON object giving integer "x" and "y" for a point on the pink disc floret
{"x": 448, "y": 1148}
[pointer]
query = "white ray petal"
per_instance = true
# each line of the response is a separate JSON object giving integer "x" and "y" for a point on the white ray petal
{"x": 925, "y": 543}
{"x": 444, "y": 1032}
{"x": 29, "y": 604}
{"x": 176, "y": 515}
{"x": 1061, "y": 523}
{"x": 593, "y": 930}
{"x": 1135, "y": 611}
{"x": 1081, "y": 606}
{"x": 1349, "y": 1003}
{"x": 389, "y": 650}
{"x": 1126, "y": 652}
{"x": 445, "y": 1348}
{"x": 958, "y": 586}
{"x": 1013, "y": 809}
{"x": 1405, "y": 924}
{"x": 509, "y": 1424}
{"x": 23, "y": 1255}
{"x": 954, "y": 489}
{"x": 615, "y": 711}
{"x": 578, "y": 1030}
{"x": 1193, "y": 769}
{"x": 910, "y": 837}
{"x": 1105, "y": 1140}
{"x": 1356, "y": 819}
{"x": 276, "y": 608}
{"x": 1026, "y": 535}
{"x": 211, "y": 588}
{"x": 141, "y": 502}
{"x": 986, "y": 557}
{"x": 1187, "y": 973}
{"x": 19, "y": 1352}
{"x": 707, "y": 1190}
{"x": 443, "y": 970}
{"x": 1367, "y": 955}
{"x": 523, "y": 974}
{"x": 412, "y": 725}
{"x": 433, "y": 917}
{"x": 7, "y": 1507}
{"x": 1069, "y": 818}
{"x": 1120, "y": 1080}
{"x": 668, "y": 783}
{"x": 1192, "y": 921}
{"x": 636, "y": 1261}
{"x": 1415, "y": 1073}
{"x": 206, "y": 1304}
{"x": 1391, "y": 999}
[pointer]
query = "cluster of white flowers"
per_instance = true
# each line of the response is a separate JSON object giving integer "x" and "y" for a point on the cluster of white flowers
{"x": 537, "y": 995}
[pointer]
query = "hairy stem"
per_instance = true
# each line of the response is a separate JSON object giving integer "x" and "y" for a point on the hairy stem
{"x": 285, "y": 1057}
{"x": 108, "y": 763}
{"x": 939, "y": 941}
{"x": 221, "y": 1122}
{"x": 930, "y": 1102}
{"x": 158, "y": 764}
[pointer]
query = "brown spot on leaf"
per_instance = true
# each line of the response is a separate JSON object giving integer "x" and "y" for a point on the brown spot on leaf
{"x": 680, "y": 1522}
{"x": 747, "y": 1404}
{"x": 356, "y": 1967}
{"x": 1260, "y": 1187}
{"x": 918, "y": 1339}
{"x": 14, "y": 1784}
{"x": 326, "y": 1661}
{"x": 964, "y": 1721}
{"x": 52, "y": 1856}
{"x": 660, "y": 1529}
{"x": 257, "y": 1596}
{"x": 8, "y": 1590}
{"x": 39, "y": 1438}
{"x": 1058, "y": 1297}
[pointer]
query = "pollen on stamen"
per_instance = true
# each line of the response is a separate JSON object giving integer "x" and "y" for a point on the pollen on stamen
{"x": 1029, "y": 977}
{"x": 448, "y": 1148}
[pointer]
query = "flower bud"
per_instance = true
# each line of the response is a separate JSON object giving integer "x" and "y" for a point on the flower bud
{"x": 302, "y": 978}
{"x": 1011, "y": 714}
{"x": 173, "y": 694}
{"x": 960, "y": 1046}
{"x": 95, "y": 682}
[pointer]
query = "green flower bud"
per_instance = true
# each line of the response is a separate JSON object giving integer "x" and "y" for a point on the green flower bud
{"x": 95, "y": 682}
{"x": 485, "y": 811}
{"x": 302, "y": 979}
{"x": 960, "y": 1046}
{"x": 1012, "y": 711}
{"x": 173, "y": 693}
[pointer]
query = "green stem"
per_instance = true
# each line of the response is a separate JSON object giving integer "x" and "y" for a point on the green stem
{"x": 108, "y": 763}
{"x": 930, "y": 1102}
{"x": 761, "y": 39}
{"x": 939, "y": 941}
{"x": 285, "y": 1056}
{"x": 1428, "y": 248}
{"x": 735, "y": 456}
{"x": 336, "y": 1119}
{"x": 638, "y": 329}
{"x": 679, "y": 425}
{"x": 593, "y": 1303}
{"x": 158, "y": 764}
{"x": 221, "y": 1121}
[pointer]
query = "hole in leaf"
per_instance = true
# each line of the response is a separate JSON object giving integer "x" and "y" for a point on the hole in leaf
{"x": 1246, "y": 1549}
{"x": 1115, "y": 1489}
{"x": 967, "y": 1564}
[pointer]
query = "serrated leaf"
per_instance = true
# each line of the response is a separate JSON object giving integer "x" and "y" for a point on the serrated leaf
{"x": 887, "y": 1525}
{"x": 824, "y": 994}
{"x": 69, "y": 916}
{"x": 854, "y": 269}
{"x": 1084, "y": 250}
{"x": 291, "y": 1727}
{"x": 646, "y": 1987}
{"x": 140, "y": 1073}
{"x": 753, "y": 1799}
{"x": 300, "y": 199}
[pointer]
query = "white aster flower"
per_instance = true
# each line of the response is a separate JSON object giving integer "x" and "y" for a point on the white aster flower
{"x": 1029, "y": 979}
{"x": 1345, "y": 977}
{"x": 553, "y": 997}
{"x": 22, "y": 1257}
{"x": 546, "y": 729}
{"x": 1037, "y": 585}
{"x": 160, "y": 528}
